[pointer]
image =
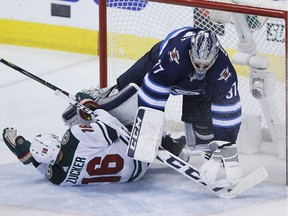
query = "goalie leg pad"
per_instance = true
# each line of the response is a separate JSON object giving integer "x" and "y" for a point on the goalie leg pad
{"x": 146, "y": 134}
{"x": 122, "y": 105}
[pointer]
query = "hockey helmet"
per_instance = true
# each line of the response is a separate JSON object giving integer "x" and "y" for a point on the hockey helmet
{"x": 204, "y": 52}
{"x": 45, "y": 148}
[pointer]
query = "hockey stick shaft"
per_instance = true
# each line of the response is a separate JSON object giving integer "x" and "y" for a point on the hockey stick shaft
{"x": 32, "y": 76}
{"x": 60, "y": 92}
{"x": 191, "y": 172}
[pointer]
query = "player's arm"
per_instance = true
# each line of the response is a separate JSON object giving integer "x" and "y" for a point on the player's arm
{"x": 222, "y": 168}
{"x": 172, "y": 66}
{"x": 225, "y": 100}
{"x": 20, "y": 147}
{"x": 154, "y": 92}
{"x": 98, "y": 133}
{"x": 227, "y": 115}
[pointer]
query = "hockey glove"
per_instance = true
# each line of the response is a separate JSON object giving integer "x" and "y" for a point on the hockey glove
{"x": 222, "y": 168}
{"x": 18, "y": 145}
{"x": 90, "y": 104}
{"x": 70, "y": 116}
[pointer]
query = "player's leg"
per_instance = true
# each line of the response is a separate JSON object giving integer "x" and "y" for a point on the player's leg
{"x": 198, "y": 128}
{"x": 136, "y": 73}
{"x": 173, "y": 145}
{"x": 222, "y": 167}
{"x": 122, "y": 105}
{"x": 196, "y": 114}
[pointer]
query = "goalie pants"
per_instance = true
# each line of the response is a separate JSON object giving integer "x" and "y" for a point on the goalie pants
{"x": 195, "y": 109}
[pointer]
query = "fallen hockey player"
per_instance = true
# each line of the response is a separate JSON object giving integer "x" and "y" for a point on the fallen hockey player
{"x": 87, "y": 153}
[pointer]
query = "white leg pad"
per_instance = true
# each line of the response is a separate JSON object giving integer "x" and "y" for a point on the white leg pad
{"x": 146, "y": 134}
{"x": 122, "y": 105}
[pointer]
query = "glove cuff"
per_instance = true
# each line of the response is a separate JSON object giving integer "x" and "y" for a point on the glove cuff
{"x": 26, "y": 158}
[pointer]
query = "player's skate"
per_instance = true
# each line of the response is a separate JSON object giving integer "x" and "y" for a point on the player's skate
{"x": 172, "y": 145}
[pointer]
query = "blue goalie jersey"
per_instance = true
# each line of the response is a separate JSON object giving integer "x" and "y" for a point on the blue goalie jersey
{"x": 215, "y": 97}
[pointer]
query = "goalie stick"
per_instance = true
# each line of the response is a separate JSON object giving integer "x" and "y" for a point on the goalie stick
{"x": 186, "y": 169}
{"x": 163, "y": 155}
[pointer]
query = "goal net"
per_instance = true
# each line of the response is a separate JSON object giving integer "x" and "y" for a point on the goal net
{"x": 254, "y": 37}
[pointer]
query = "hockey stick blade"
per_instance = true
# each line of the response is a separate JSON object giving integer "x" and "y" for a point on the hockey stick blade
{"x": 246, "y": 183}
{"x": 192, "y": 173}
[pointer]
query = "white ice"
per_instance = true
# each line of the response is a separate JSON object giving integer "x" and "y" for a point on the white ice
{"x": 32, "y": 108}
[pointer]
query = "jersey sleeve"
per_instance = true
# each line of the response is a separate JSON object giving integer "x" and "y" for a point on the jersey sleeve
{"x": 172, "y": 66}
{"x": 98, "y": 134}
{"x": 153, "y": 92}
{"x": 226, "y": 105}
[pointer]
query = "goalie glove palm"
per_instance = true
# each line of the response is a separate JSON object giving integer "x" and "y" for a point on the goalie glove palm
{"x": 18, "y": 145}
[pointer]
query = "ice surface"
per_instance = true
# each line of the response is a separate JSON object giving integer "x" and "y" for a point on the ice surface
{"x": 33, "y": 109}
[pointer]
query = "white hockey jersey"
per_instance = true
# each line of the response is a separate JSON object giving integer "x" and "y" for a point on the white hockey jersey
{"x": 95, "y": 153}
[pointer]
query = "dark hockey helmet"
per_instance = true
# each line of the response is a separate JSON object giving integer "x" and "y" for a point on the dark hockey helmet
{"x": 204, "y": 52}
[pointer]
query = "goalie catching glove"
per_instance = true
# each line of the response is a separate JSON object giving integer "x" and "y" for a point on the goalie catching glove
{"x": 222, "y": 168}
{"x": 18, "y": 145}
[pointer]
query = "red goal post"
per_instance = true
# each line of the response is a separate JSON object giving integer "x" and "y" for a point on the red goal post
{"x": 129, "y": 49}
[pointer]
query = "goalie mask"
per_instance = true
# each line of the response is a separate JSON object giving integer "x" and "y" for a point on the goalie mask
{"x": 45, "y": 148}
{"x": 204, "y": 52}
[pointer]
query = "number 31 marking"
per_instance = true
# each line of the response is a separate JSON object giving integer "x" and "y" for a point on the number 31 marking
{"x": 233, "y": 91}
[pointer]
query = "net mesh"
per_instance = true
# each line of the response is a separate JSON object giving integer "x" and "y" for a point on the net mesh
{"x": 135, "y": 27}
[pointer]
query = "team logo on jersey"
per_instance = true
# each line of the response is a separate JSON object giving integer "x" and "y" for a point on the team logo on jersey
{"x": 225, "y": 74}
{"x": 180, "y": 91}
{"x": 65, "y": 138}
{"x": 174, "y": 55}
{"x": 49, "y": 172}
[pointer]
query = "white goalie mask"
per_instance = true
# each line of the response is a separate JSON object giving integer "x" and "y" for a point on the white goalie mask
{"x": 45, "y": 148}
{"x": 204, "y": 52}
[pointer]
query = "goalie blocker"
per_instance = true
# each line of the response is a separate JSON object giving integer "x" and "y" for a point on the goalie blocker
{"x": 146, "y": 134}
